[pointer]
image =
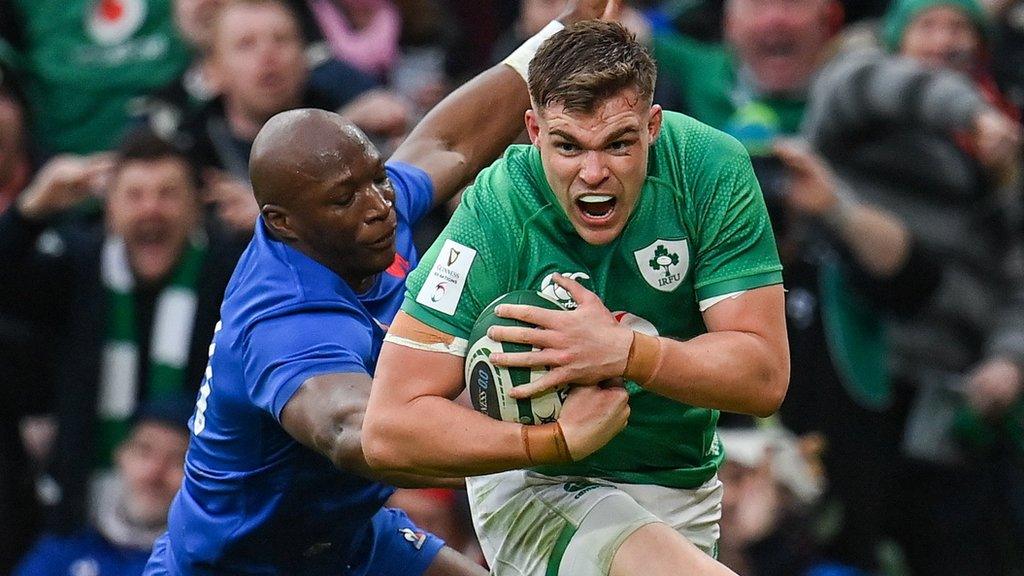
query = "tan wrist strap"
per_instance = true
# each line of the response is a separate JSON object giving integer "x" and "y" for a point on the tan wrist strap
{"x": 644, "y": 359}
{"x": 545, "y": 444}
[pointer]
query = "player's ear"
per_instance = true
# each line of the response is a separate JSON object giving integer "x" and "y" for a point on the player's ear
{"x": 654, "y": 122}
{"x": 276, "y": 218}
{"x": 533, "y": 126}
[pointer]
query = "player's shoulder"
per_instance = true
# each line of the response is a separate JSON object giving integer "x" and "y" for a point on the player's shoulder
{"x": 273, "y": 279}
{"x": 512, "y": 187}
{"x": 691, "y": 154}
{"x": 695, "y": 139}
{"x": 414, "y": 190}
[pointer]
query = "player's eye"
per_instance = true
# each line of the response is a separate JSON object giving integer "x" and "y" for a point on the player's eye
{"x": 566, "y": 147}
{"x": 620, "y": 145}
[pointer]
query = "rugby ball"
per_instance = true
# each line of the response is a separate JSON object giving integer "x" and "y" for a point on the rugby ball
{"x": 488, "y": 385}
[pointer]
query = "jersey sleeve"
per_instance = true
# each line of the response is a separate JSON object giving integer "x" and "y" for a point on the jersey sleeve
{"x": 414, "y": 191}
{"x": 283, "y": 351}
{"x": 469, "y": 265}
{"x": 736, "y": 247}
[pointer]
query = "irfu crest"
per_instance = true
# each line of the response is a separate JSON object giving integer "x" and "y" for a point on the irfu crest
{"x": 664, "y": 263}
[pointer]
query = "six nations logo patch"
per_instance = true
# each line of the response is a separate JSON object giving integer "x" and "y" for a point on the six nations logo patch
{"x": 664, "y": 263}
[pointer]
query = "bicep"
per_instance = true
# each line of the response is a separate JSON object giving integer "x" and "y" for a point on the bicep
{"x": 327, "y": 409}
{"x": 418, "y": 366}
{"x": 760, "y": 311}
{"x": 284, "y": 352}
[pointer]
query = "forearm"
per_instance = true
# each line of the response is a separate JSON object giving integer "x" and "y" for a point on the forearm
{"x": 356, "y": 463}
{"x": 877, "y": 240}
{"x": 468, "y": 130}
{"x": 452, "y": 441}
{"x": 726, "y": 370}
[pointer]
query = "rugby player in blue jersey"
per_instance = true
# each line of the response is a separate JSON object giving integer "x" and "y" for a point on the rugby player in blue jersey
{"x": 275, "y": 478}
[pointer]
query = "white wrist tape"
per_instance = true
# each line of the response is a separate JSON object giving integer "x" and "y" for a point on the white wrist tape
{"x": 519, "y": 60}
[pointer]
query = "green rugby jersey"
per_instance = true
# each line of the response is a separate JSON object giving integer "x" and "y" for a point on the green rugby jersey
{"x": 700, "y": 230}
{"x": 87, "y": 61}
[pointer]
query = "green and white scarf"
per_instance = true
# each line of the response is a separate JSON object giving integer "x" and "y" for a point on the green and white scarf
{"x": 173, "y": 320}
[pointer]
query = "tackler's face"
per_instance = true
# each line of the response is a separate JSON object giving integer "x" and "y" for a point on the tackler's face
{"x": 596, "y": 161}
{"x": 348, "y": 220}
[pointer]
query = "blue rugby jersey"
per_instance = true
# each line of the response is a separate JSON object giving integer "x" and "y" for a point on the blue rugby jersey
{"x": 255, "y": 501}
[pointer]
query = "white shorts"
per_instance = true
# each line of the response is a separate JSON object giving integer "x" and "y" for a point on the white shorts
{"x": 535, "y": 525}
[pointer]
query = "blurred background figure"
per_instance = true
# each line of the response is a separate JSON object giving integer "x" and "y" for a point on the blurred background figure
{"x": 15, "y": 157}
{"x": 129, "y": 504}
{"x": 773, "y": 481}
{"x": 754, "y": 84}
{"x": 921, "y": 130}
{"x": 125, "y": 305}
{"x": 363, "y": 33}
{"x": 82, "y": 61}
{"x": 256, "y": 66}
{"x": 20, "y": 367}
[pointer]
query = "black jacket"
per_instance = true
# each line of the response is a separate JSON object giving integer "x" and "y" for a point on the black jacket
{"x": 53, "y": 303}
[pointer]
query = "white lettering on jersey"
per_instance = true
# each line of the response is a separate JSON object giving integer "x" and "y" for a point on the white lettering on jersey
{"x": 199, "y": 422}
{"x": 443, "y": 287}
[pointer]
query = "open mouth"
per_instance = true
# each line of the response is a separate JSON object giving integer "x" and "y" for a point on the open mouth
{"x": 778, "y": 48}
{"x": 149, "y": 237}
{"x": 596, "y": 209}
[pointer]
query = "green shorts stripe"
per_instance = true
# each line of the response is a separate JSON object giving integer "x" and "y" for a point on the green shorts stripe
{"x": 559, "y": 550}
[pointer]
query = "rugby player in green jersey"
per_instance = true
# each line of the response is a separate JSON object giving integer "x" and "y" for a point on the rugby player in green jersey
{"x": 651, "y": 227}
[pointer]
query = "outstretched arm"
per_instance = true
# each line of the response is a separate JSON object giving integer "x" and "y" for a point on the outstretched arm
{"x": 472, "y": 126}
{"x": 326, "y": 415}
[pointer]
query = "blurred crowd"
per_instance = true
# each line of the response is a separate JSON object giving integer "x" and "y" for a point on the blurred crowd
{"x": 885, "y": 134}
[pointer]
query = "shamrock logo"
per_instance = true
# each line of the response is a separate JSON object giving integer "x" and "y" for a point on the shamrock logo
{"x": 663, "y": 259}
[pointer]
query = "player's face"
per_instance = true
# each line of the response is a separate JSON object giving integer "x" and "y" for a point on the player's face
{"x": 942, "y": 37}
{"x": 782, "y": 42}
{"x": 151, "y": 465}
{"x": 596, "y": 162}
{"x": 348, "y": 221}
{"x": 258, "y": 60}
{"x": 153, "y": 206}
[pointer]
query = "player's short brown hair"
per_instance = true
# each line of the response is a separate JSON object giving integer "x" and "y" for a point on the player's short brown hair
{"x": 586, "y": 63}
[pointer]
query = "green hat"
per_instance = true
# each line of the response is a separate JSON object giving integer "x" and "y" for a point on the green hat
{"x": 902, "y": 12}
